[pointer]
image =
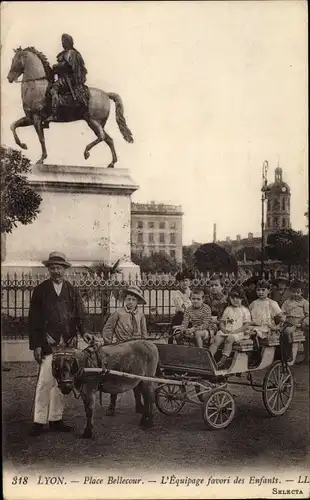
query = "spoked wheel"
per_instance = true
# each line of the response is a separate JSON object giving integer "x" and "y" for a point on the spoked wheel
{"x": 218, "y": 409}
{"x": 278, "y": 389}
{"x": 170, "y": 398}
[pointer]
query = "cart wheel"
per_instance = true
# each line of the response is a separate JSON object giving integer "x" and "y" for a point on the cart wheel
{"x": 170, "y": 398}
{"x": 218, "y": 409}
{"x": 278, "y": 389}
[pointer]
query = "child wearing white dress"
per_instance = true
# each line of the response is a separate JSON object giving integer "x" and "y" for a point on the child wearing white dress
{"x": 234, "y": 322}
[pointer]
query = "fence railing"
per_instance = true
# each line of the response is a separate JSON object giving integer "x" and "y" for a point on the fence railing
{"x": 101, "y": 296}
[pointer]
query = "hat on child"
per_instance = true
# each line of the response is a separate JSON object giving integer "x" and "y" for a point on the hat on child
{"x": 280, "y": 279}
{"x": 134, "y": 290}
{"x": 296, "y": 284}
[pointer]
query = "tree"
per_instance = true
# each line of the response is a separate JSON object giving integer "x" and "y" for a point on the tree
{"x": 306, "y": 214}
{"x": 288, "y": 246}
{"x": 251, "y": 253}
{"x": 104, "y": 271}
{"x": 188, "y": 261}
{"x": 19, "y": 202}
{"x": 213, "y": 258}
{"x": 156, "y": 263}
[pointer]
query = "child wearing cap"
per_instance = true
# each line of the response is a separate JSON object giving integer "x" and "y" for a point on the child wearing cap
{"x": 127, "y": 323}
{"x": 281, "y": 292}
{"x": 234, "y": 322}
{"x": 266, "y": 313}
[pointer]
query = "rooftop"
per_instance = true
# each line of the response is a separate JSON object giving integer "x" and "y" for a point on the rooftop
{"x": 156, "y": 208}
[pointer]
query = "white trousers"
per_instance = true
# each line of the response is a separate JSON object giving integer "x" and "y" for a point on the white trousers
{"x": 49, "y": 400}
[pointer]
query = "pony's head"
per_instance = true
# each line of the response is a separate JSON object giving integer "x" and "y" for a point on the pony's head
{"x": 65, "y": 368}
{"x": 17, "y": 66}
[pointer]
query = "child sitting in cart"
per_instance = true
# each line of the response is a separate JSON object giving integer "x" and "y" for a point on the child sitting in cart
{"x": 196, "y": 321}
{"x": 296, "y": 310}
{"x": 127, "y": 323}
{"x": 234, "y": 323}
{"x": 266, "y": 314}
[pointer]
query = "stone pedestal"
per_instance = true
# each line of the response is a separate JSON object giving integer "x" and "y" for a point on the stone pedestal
{"x": 85, "y": 213}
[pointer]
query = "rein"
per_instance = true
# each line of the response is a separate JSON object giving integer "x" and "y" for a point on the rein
{"x": 31, "y": 79}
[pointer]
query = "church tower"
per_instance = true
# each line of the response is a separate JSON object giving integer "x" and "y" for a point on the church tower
{"x": 278, "y": 196}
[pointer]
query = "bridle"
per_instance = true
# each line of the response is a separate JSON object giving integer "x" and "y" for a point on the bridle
{"x": 64, "y": 356}
{"x": 32, "y": 79}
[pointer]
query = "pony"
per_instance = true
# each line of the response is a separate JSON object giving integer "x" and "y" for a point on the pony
{"x": 37, "y": 79}
{"x": 138, "y": 357}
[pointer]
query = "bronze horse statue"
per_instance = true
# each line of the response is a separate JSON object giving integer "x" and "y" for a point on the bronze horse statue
{"x": 37, "y": 79}
{"x": 138, "y": 357}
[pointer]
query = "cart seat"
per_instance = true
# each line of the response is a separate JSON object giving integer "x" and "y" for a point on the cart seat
{"x": 244, "y": 345}
{"x": 274, "y": 340}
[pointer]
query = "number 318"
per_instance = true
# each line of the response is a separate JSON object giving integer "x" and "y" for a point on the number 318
{"x": 20, "y": 480}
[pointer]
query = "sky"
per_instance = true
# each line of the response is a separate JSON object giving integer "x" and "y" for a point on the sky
{"x": 210, "y": 90}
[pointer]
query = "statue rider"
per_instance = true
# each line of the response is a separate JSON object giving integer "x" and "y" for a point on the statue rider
{"x": 71, "y": 72}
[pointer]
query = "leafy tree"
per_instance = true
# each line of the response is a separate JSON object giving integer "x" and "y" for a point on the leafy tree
{"x": 306, "y": 214}
{"x": 188, "y": 261}
{"x": 288, "y": 246}
{"x": 19, "y": 202}
{"x": 104, "y": 271}
{"x": 156, "y": 263}
{"x": 211, "y": 257}
{"x": 251, "y": 253}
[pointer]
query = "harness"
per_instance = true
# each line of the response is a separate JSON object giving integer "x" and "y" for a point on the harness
{"x": 32, "y": 79}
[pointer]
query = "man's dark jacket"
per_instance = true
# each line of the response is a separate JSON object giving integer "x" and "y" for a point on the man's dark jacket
{"x": 57, "y": 316}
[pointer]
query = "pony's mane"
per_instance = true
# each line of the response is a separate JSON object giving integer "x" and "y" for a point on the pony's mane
{"x": 43, "y": 59}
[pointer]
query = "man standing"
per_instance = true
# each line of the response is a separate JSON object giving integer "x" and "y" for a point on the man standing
{"x": 71, "y": 72}
{"x": 56, "y": 316}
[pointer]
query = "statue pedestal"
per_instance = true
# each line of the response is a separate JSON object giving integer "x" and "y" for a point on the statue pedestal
{"x": 85, "y": 213}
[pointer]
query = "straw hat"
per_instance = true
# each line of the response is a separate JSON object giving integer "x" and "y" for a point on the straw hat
{"x": 56, "y": 258}
{"x": 135, "y": 290}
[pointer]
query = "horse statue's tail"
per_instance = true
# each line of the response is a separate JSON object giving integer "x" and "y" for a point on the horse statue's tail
{"x": 120, "y": 119}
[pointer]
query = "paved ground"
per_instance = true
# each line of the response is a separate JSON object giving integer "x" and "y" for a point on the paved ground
{"x": 182, "y": 441}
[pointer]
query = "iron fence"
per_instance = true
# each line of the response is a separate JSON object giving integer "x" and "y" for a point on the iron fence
{"x": 101, "y": 297}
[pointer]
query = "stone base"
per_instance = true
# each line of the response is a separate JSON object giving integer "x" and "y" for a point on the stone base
{"x": 85, "y": 213}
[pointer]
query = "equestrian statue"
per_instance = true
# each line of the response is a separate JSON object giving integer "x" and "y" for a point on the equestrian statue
{"x": 65, "y": 99}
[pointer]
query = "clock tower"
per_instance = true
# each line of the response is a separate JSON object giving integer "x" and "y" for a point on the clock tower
{"x": 278, "y": 196}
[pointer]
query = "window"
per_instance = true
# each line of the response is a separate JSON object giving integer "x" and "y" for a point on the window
{"x": 172, "y": 238}
{"x": 151, "y": 225}
{"x": 151, "y": 237}
{"x": 283, "y": 222}
{"x": 283, "y": 204}
{"x": 162, "y": 225}
{"x": 173, "y": 225}
{"x": 140, "y": 237}
{"x": 268, "y": 205}
{"x": 269, "y": 222}
{"x": 172, "y": 254}
{"x": 276, "y": 222}
{"x": 140, "y": 224}
{"x": 162, "y": 252}
{"x": 161, "y": 238}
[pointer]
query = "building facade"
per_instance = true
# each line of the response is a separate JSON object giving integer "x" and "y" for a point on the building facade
{"x": 156, "y": 228}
